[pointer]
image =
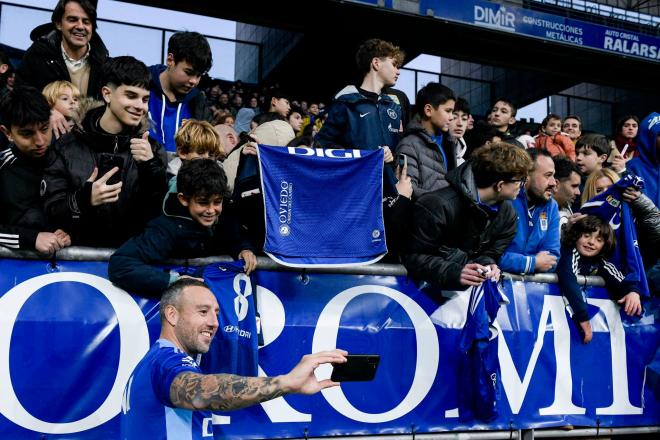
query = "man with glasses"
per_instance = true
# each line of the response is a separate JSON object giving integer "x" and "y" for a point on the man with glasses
{"x": 460, "y": 232}
{"x": 536, "y": 245}
{"x": 175, "y": 96}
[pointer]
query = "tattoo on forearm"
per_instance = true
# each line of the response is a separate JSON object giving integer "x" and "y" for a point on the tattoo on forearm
{"x": 222, "y": 391}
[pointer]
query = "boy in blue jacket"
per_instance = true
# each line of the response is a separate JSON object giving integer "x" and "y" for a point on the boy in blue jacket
{"x": 536, "y": 245}
{"x": 191, "y": 227}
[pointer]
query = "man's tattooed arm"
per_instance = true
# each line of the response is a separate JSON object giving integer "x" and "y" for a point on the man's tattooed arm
{"x": 222, "y": 391}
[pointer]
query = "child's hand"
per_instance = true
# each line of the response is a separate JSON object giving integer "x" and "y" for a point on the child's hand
{"x": 631, "y": 304}
{"x": 250, "y": 260}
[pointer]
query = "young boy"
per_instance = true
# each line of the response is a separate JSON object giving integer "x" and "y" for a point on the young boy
{"x": 426, "y": 144}
{"x": 24, "y": 119}
{"x": 108, "y": 179}
{"x": 63, "y": 96}
{"x": 175, "y": 96}
{"x": 553, "y": 140}
{"x": 194, "y": 140}
{"x": 191, "y": 226}
{"x": 592, "y": 151}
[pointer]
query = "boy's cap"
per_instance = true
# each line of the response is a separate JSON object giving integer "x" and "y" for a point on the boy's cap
{"x": 276, "y": 133}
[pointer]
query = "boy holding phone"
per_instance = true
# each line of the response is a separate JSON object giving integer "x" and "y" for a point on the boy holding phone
{"x": 108, "y": 178}
{"x": 426, "y": 143}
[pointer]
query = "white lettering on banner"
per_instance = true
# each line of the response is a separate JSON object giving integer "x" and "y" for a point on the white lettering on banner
{"x": 498, "y": 19}
{"x": 325, "y": 338}
{"x": 515, "y": 389}
{"x": 334, "y": 153}
{"x": 134, "y": 344}
{"x": 620, "y": 395}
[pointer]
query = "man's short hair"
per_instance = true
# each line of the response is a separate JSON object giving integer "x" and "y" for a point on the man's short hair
{"x": 126, "y": 71}
{"x": 595, "y": 142}
{"x": 53, "y": 90}
{"x": 499, "y": 161}
{"x": 375, "y": 48}
{"x": 462, "y": 106}
{"x": 576, "y": 117}
{"x": 564, "y": 167}
{"x": 514, "y": 109}
{"x": 197, "y": 137}
{"x": 192, "y": 47}
{"x": 535, "y": 153}
{"x": 433, "y": 93}
{"x": 172, "y": 294}
{"x": 202, "y": 178}
{"x": 86, "y": 5}
{"x": 24, "y": 106}
{"x": 480, "y": 134}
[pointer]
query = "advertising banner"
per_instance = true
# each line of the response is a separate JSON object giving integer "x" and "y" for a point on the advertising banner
{"x": 527, "y": 22}
{"x": 69, "y": 340}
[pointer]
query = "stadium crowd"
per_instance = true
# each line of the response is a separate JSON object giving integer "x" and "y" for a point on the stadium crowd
{"x": 108, "y": 152}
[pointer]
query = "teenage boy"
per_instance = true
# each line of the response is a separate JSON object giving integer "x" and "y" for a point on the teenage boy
{"x": 108, "y": 178}
{"x": 24, "y": 120}
{"x": 429, "y": 151}
{"x": 175, "y": 95}
{"x": 363, "y": 117}
{"x": 191, "y": 226}
{"x": 460, "y": 232}
{"x": 502, "y": 116}
{"x": 536, "y": 246}
{"x": 458, "y": 127}
{"x": 278, "y": 102}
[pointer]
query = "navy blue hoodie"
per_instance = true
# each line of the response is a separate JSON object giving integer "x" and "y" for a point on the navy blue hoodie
{"x": 166, "y": 116}
{"x": 647, "y": 165}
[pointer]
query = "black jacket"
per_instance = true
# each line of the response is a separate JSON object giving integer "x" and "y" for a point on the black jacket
{"x": 21, "y": 212}
{"x": 43, "y": 63}
{"x": 450, "y": 229}
{"x": 68, "y": 194}
{"x": 172, "y": 235}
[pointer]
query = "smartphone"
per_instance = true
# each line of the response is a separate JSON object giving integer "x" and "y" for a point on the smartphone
{"x": 357, "y": 368}
{"x": 244, "y": 138}
{"x": 108, "y": 161}
{"x": 402, "y": 161}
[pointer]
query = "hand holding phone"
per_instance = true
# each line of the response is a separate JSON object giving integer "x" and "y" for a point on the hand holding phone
{"x": 357, "y": 368}
{"x": 109, "y": 161}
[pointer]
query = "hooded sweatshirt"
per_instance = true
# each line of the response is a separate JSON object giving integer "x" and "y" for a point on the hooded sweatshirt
{"x": 166, "y": 116}
{"x": 647, "y": 164}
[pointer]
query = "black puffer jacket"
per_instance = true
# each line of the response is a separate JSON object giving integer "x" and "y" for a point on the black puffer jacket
{"x": 68, "y": 194}
{"x": 450, "y": 229}
{"x": 43, "y": 62}
{"x": 426, "y": 165}
{"x": 647, "y": 219}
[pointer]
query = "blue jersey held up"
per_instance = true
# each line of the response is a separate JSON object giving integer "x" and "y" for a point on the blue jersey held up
{"x": 479, "y": 366}
{"x": 147, "y": 411}
{"x": 324, "y": 208}
{"x": 234, "y": 347}
{"x": 610, "y": 207}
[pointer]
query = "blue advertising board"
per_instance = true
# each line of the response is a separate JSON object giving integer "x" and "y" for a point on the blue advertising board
{"x": 69, "y": 340}
{"x": 550, "y": 27}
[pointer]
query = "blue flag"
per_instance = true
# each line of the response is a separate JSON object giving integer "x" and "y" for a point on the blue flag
{"x": 479, "y": 366}
{"x": 234, "y": 347}
{"x": 323, "y": 207}
{"x": 610, "y": 207}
